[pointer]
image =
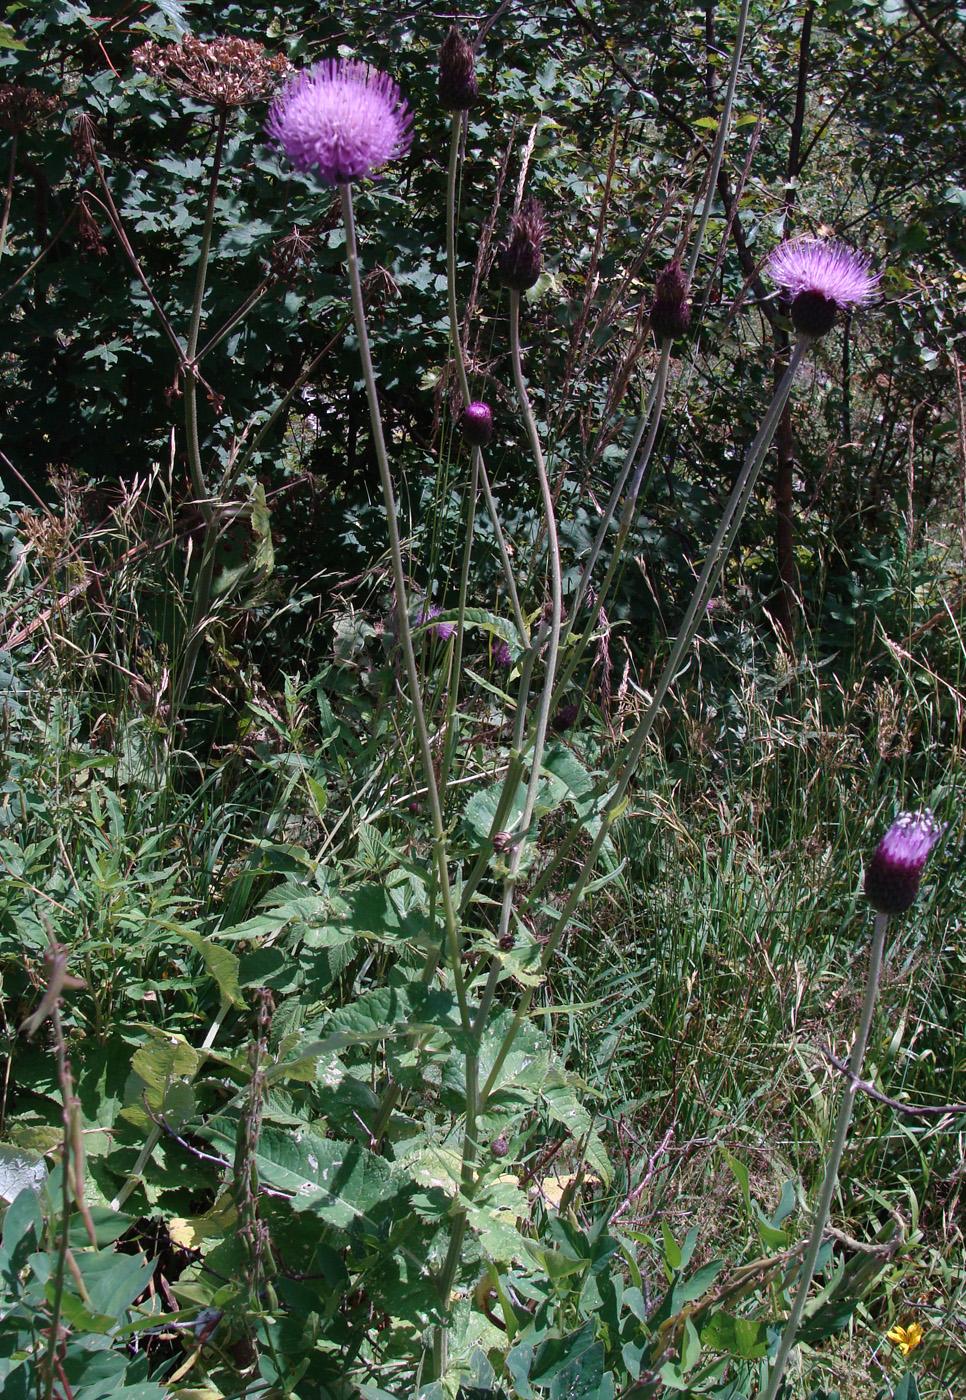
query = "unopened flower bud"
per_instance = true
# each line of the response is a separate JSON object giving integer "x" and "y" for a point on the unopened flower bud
{"x": 476, "y": 423}
{"x": 500, "y": 1146}
{"x": 458, "y": 89}
{"x": 564, "y": 719}
{"x": 671, "y": 312}
{"x": 502, "y": 842}
{"x": 520, "y": 259}
{"x": 893, "y": 874}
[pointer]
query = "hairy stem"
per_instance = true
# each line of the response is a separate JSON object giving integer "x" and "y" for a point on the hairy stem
{"x": 714, "y": 563}
{"x": 201, "y": 597}
{"x": 849, "y": 1091}
{"x": 402, "y": 611}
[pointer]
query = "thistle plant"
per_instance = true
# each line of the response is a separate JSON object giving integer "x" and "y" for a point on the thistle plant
{"x": 490, "y": 890}
{"x": 891, "y": 885}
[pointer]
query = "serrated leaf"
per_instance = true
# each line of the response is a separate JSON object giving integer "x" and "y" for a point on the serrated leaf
{"x": 338, "y": 1181}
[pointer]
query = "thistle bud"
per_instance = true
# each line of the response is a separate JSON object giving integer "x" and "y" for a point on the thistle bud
{"x": 520, "y": 259}
{"x": 458, "y": 89}
{"x": 500, "y": 1146}
{"x": 671, "y": 312}
{"x": 476, "y": 423}
{"x": 892, "y": 875}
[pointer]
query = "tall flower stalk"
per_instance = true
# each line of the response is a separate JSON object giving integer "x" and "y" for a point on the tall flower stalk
{"x": 891, "y": 885}
{"x": 714, "y": 563}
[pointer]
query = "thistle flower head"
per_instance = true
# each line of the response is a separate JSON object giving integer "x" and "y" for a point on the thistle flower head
{"x": 892, "y": 875}
{"x": 502, "y": 655}
{"x": 458, "y": 88}
{"x": 24, "y": 107}
{"x": 671, "y": 312}
{"x": 476, "y": 424}
{"x": 821, "y": 277}
{"x": 342, "y": 120}
{"x": 442, "y": 630}
{"x": 223, "y": 73}
{"x": 520, "y": 259}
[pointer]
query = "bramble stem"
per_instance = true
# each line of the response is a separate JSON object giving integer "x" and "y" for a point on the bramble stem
{"x": 849, "y": 1090}
{"x": 714, "y": 563}
{"x": 8, "y": 194}
{"x": 402, "y": 611}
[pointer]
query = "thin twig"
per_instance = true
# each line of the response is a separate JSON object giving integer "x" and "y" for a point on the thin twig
{"x": 911, "y": 1110}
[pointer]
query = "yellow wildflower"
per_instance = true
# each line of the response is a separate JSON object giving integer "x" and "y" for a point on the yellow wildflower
{"x": 906, "y": 1338}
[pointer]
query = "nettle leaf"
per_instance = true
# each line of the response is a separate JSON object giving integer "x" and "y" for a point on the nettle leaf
{"x": 338, "y": 1181}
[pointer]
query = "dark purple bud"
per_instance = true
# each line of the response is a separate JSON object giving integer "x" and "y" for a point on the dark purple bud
{"x": 565, "y": 718}
{"x": 502, "y": 841}
{"x": 502, "y": 656}
{"x": 520, "y": 258}
{"x": 671, "y": 312}
{"x": 499, "y": 1146}
{"x": 892, "y": 875}
{"x": 476, "y": 423}
{"x": 458, "y": 88}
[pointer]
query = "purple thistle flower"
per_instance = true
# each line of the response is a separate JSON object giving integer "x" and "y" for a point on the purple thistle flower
{"x": 340, "y": 119}
{"x": 820, "y": 277}
{"x": 476, "y": 423}
{"x": 892, "y": 875}
{"x": 458, "y": 88}
{"x": 442, "y": 630}
{"x": 671, "y": 313}
{"x": 502, "y": 655}
{"x": 520, "y": 259}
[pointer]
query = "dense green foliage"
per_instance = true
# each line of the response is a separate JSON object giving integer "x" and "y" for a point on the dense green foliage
{"x": 242, "y": 1125}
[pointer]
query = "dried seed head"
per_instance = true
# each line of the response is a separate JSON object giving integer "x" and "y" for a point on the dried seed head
{"x": 458, "y": 88}
{"x": 671, "y": 312}
{"x": 224, "y": 73}
{"x": 290, "y": 255}
{"x": 88, "y": 233}
{"x": 22, "y": 108}
{"x": 84, "y": 140}
{"x": 521, "y": 257}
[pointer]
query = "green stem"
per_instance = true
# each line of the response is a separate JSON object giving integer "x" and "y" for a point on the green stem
{"x": 556, "y": 581}
{"x": 8, "y": 194}
{"x": 402, "y": 611}
{"x": 456, "y": 671}
{"x": 656, "y": 405}
{"x": 824, "y": 1206}
{"x": 62, "y": 1242}
{"x": 714, "y": 563}
{"x": 721, "y": 136}
{"x": 201, "y": 595}
{"x": 191, "y": 349}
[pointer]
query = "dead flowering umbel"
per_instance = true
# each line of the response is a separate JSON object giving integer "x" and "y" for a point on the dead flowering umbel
{"x": 23, "y": 108}
{"x": 222, "y": 73}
